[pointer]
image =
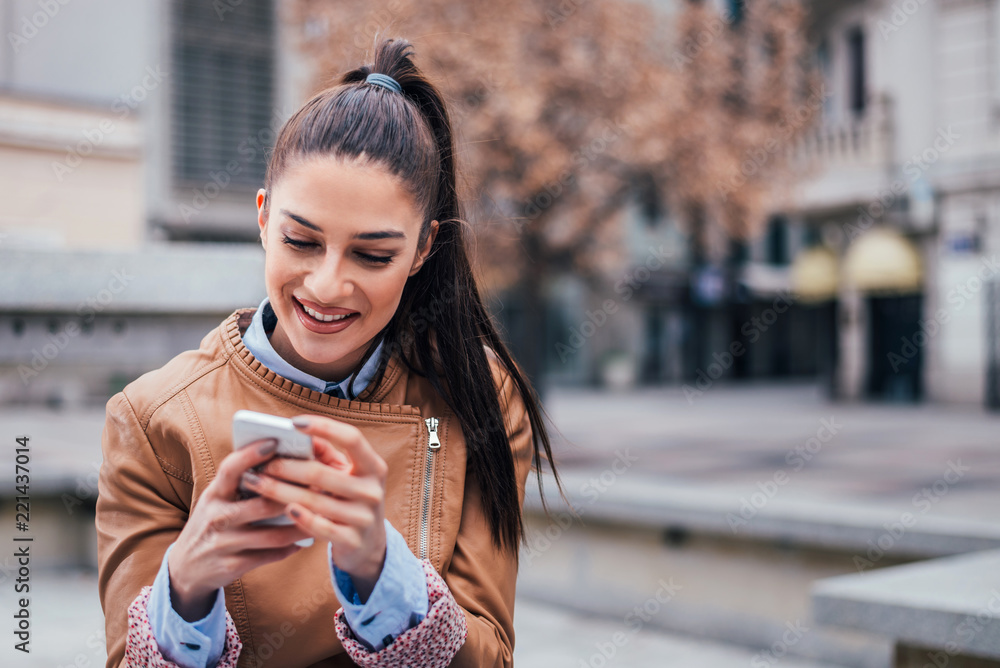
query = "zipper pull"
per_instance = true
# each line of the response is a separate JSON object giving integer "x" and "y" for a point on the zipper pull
{"x": 432, "y": 429}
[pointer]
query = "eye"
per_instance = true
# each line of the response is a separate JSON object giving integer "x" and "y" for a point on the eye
{"x": 374, "y": 259}
{"x": 296, "y": 242}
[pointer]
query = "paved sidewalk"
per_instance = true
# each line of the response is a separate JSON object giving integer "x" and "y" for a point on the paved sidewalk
{"x": 550, "y": 637}
{"x": 934, "y": 459}
{"x": 940, "y": 460}
{"x": 67, "y": 629}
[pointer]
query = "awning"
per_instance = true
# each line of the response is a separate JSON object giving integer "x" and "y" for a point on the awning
{"x": 814, "y": 275}
{"x": 882, "y": 260}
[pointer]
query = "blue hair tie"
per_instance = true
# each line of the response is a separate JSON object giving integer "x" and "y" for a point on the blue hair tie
{"x": 385, "y": 81}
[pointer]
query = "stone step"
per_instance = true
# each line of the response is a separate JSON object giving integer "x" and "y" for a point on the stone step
{"x": 746, "y": 583}
{"x": 551, "y": 636}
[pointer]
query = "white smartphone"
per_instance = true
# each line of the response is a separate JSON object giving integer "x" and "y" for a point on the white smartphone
{"x": 250, "y": 426}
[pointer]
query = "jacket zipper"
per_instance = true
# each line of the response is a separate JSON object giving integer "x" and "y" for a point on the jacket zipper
{"x": 433, "y": 445}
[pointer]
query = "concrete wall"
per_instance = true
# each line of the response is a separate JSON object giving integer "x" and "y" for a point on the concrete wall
{"x": 72, "y": 176}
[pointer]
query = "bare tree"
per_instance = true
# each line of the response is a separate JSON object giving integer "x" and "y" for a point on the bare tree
{"x": 564, "y": 109}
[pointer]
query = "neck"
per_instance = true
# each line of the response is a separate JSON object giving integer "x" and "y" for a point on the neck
{"x": 335, "y": 371}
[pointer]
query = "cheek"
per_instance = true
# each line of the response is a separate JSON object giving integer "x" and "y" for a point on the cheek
{"x": 279, "y": 268}
{"x": 385, "y": 292}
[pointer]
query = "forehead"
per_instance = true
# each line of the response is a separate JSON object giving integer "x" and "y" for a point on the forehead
{"x": 346, "y": 197}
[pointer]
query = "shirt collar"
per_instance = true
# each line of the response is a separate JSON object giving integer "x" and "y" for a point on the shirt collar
{"x": 257, "y": 341}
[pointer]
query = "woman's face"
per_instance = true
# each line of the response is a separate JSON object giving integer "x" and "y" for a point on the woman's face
{"x": 340, "y": 241}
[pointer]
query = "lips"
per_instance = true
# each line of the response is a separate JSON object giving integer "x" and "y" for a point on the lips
{"x": 323, "y": 320}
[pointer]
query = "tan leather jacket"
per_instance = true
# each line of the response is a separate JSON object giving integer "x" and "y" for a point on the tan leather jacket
{"x": 166, "y": 433}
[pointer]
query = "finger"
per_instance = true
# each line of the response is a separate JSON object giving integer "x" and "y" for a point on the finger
{"x": 345, "y": 512}
{"x": 324, "y": 478}
{"x": 263, "y": 537}
{"x": 233, "y": 465}
{"x": 346, "y": 438}
{"x": 329, "y": 455}
{"x": 322, "y": 527}
{"x": 257, "y": 508}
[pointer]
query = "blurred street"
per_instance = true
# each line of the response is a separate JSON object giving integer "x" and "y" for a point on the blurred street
{"x": 733, "y": 438}
{"x": 748, "y": 252}
{"x": 725, "y": 444}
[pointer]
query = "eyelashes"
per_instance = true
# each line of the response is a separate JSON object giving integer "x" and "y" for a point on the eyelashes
{"x": 364, "y": 257}
{"x": 296, "y": 243}
{"x": 375, "y": 259}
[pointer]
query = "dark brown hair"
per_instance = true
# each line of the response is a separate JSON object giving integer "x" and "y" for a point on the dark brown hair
{"x": 441, "y": 319}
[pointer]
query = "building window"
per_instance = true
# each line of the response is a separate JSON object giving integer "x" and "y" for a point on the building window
{"x": 223, "y": 91}
{"x": 856, "y": 94}
{"x": 737, "y": 8}
{"x": 776, "y": 243}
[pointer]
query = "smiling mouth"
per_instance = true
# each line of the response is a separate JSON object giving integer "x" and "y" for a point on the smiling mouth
{"x": 326, "y": 317}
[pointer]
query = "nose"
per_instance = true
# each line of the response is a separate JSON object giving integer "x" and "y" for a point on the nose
{"x": 330, "y": 282}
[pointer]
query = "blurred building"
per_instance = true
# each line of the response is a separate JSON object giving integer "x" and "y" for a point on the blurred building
{"x": 900, "y": 206}
{"x": 132, "y": 140}
{"x": 886, "y": 255}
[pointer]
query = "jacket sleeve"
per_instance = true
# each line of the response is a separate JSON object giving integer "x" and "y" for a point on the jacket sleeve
{"x": 482, "y": 579}
{"x": 139, "y": 514}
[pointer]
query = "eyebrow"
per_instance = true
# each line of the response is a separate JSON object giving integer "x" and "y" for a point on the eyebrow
{"x": 364, "y": 236}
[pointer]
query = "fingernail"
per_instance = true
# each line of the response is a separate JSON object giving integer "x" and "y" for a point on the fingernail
{"x": 300, "y": 421}
{"x": 295, "y": 513}
{"x": 267, "y": 448}
{"x": 251, "y": 478}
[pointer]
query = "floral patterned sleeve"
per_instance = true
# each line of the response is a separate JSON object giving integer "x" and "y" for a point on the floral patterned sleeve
{"x": 141, "y": 650}
{"x": 431, "y": 643}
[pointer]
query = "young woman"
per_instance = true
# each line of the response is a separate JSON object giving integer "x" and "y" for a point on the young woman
{"x": 374, "y": 338}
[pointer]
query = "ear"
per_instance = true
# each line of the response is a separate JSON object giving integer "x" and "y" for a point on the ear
{"x": 423, "y": 252}
{"x": 262, "y": 216}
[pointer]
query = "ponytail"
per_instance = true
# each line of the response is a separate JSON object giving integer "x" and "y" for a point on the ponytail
{"x": 410, "y": 134}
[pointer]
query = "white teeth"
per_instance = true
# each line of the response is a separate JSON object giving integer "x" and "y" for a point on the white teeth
{"x": 323, "y": 317}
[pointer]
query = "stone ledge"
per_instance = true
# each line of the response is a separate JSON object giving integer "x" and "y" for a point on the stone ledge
{"x": 173, "y": 278}
{"x": 656, "y": 501}
{"x": 950, "y": 604}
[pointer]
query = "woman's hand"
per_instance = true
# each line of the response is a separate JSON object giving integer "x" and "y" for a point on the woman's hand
{"x": 218, "y": 544}
{"x": 342, "y": 499}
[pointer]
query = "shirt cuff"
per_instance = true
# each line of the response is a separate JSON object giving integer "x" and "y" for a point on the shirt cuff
{"x": 398, "y": 602}
{"x": 196, "y": 644}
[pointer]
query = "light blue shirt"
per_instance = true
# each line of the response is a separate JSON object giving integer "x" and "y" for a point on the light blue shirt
{"x": 398, "y": 601}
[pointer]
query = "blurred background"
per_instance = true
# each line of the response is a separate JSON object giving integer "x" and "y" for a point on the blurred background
{"x": 747, "y": 250}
